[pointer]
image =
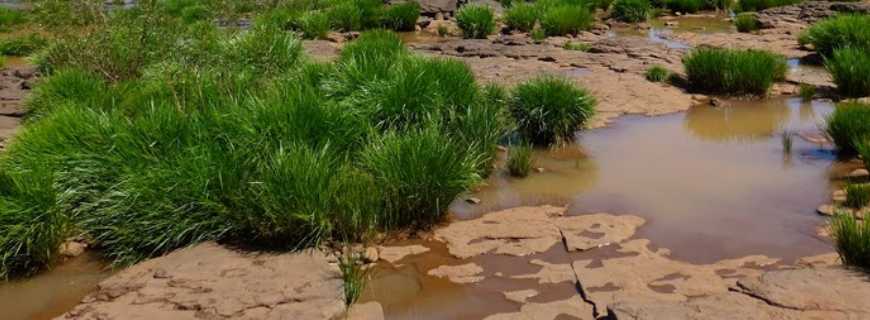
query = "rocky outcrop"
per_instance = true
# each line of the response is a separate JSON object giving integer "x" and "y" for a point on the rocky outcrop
{"x": 209, "y": 281}
{"x": 808, "y": 12}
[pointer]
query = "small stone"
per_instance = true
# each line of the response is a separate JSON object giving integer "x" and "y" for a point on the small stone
{"x": 715, "y": 102}
{"x": 370, "y": 254}
{"x": 161, "y": 274}
{"x": 825, "y": 210}
{"x": 539, "y": 170}
{"x": 671, "y": 23}
{"x": 502, "y": 148}
{"x": 72, "y": 249}
{"x": 679, "y": 13}
{"x": 23, "y": 74}
{"x": 472, "y": 200}
{"x": 859, "y": 173}
{"x": 839, "y": 196}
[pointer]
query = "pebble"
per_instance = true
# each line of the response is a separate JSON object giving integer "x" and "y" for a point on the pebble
{"x": 825, "y": 210}
{"x": 370, "y": 255}
{"x": 472, "y": 200}
{"x": 859, "y": 173}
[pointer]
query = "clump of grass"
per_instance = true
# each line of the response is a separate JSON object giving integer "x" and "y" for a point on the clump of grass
{"x": 630, "y": 10}
{"x": 65, "y": 88}
{"x": 314, "y": 24}
{"x": 421, "y": 172}
{"x": 564, "y": 19}
{"x": 22, "y": 45}
{"x": 850, "y": 69}
{"x": 733, "y": 71}
{"x": 475, "y": 21}
{"x": 807, "y": 92}
{"x": 849, "y": 122}
{"x": 443, "y": 31}
{"x": 352, "y": 15}
{"x": 657, "y": 73}
{"x": 576, "y": 46}
{"x": 852, "y": 239}
{"x": 548, "y": 109}
{"x": 354, "y": 275}
{"x": 521, "y": 16}
{"x": 838, "y": 32}
{"x": 746, "y": 22}
{"x": 519, "y": 161}
{"x": 685, "y": 6}
{"x": 758, "y": 5}
{"x": 402, "y": 17}
{"x": 787, "y": 141}
{"x": 538, "y": 34}
{"x": 857, "y": 195}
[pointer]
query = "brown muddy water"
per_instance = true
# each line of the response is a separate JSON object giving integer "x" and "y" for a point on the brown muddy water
{"x": 660, "y": 30}
{"x": 713, "y": 183}
{"x": 51, "y": 293}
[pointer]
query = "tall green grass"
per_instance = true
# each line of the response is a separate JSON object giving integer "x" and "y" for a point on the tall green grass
{"x": 519, "y": 161}
{"x": 549, "y": 109}
{"x": 657, "y": 73}
{"x": 850, "y": 70}
{"x": 838, "y": 32}
{"x": 848, "y": 125}
{"x": 521, "y": 16}
{"x": 857, "y": 195}
{"x": 402, "y": 17}
{"x": 631, "y": 10}
{"x": 733, "y": 71}
{"x": 564, "y": 19}
{"x": 746, "y": 22}
{"x": 852, "y": 239}
{"x": 235, "y": 137}
{"x": 475, "y": 21}
{"x": 22, "y": 45}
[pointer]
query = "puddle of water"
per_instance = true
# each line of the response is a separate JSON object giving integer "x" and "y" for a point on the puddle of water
{"x": 713, "y": 183}
{"x": 53, "y": 292}
{"x": 661, "y": 32}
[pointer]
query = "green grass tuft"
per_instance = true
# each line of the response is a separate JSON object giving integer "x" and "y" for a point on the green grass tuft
{"x": 576, "y": 46}
{"x": 848, "y": 124}
{"x": 807, "y": 92}
{"x": 475, "y": 21}
{"x": 22, "y": 45}
{"x": 758, "y": 5}
{"x": 657, "y": 73}
{"x": 733, "y": 71}
{"x": 549, "y": 109}
{"x": 852, "y": 239}
{"x": 838, "y": 32}
{"x": 630, "y": 10}
{"x": 314, "y": 25}
{"x": 684, "y": 6}
{"x": 850, "y": 69}
{"x": 857, "y": 195}
{"x": 519, "y": 161}
{"x": 521, "y": 16}
{"x": 354, "y": 275}
{"x": 747, "y": 22}
{"x": 402, "y": 17}
{"x": 565, "y": 19}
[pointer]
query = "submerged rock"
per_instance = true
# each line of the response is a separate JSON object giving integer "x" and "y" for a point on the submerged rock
{"x": 466, "y": 273}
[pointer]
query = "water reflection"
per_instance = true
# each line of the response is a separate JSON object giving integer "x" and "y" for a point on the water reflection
{"x": 713, "y": 182}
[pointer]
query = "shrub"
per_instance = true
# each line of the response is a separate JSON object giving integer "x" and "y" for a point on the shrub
{"x": 857, "y": 195}
{"x": 733, "y": 71}
{"x": 548, "y": 109}
{"x": 852, "y": 239}
{"x": 657, "y": 73}
{"x": 849, "y": 122}
{"x": 630, "y": 10}
{"x": 521, "y": 16}
{"x": 476, "y": 21}
{"x": 838, "y": 32}
{"x": 807, "y": 92}
{"x": 67, "y": 87}
{"x": 746, "y": 22}
{"x": 758, "y": 5}
{"x": 314, "y": 25}
{"x": 421, "y": 172}
{"x": 565, "y": 19}
{"x": 850, "y": 70}
{"x": 22, "y": 45}
{"x": 520, "y": 160}
{"x": 402, "y": 17}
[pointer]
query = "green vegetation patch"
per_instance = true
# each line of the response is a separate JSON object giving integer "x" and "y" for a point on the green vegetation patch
{"x": 550, "y": 109}
{"x": 838, "y": 32}
{"x": 850, "y": 69}
{"x": 521, "y": 16}
{"x": 758, "y": 5}
{"x": 852, "y": 239}
{"x": 849, "y": 125}
{"x": 857, "y": 195}
{"x": 733, "y": 71}
{"x": 747, "y": 22}
{"x": 519, "y": 161}
{"x": 657, "y": 73}
{"x": 475, "y": 21}
{"x": 630, "y": 10}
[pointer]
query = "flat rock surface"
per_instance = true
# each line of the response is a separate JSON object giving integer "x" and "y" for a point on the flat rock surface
{"x": 209, "y": 281}
{"x": 824, "y": 293}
